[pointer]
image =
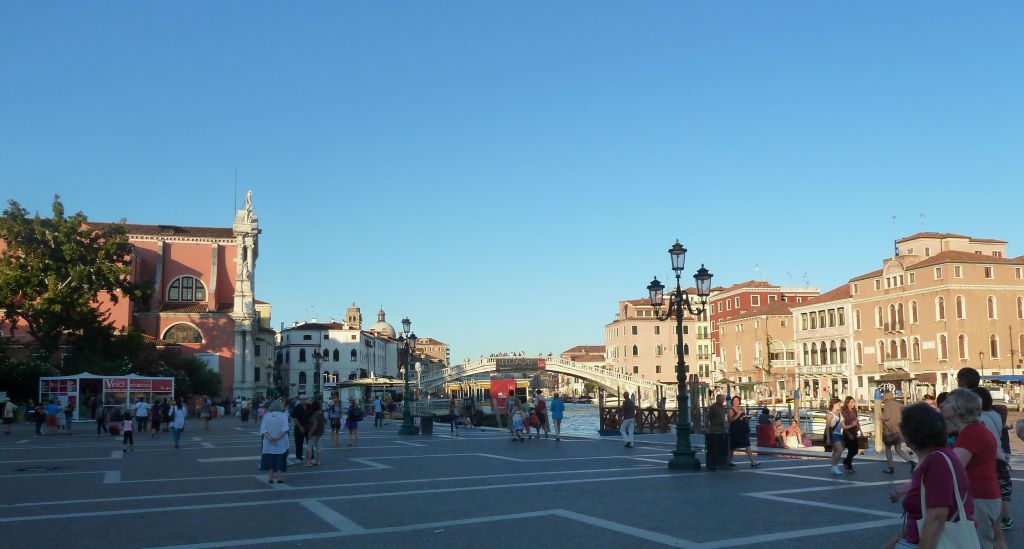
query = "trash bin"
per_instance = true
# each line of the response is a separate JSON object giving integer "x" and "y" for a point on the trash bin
{"x": 717, "y": 450}
{"x": 426, "y": 425}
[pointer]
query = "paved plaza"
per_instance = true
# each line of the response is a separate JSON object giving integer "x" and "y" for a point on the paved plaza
{"x": 478, "y": 490}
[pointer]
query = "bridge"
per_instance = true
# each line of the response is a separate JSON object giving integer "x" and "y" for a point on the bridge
{"x": 598, "y": 375}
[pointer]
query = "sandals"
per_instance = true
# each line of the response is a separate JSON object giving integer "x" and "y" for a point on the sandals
{"x": 889, "y": 470}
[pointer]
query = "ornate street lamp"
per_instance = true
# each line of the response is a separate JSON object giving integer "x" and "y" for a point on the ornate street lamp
{"x": 683, "y": 457}
{"x": 406, "y": 346}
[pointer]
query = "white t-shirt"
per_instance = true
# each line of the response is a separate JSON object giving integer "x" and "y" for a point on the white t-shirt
{"x": 378, "y": 406}
{"x": 275, "y": 424}
{"x": 178, "y": 417}
{"x": 141, "y": 409}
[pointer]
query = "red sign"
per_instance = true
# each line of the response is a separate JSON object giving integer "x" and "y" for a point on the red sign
{"x": 44, "y": 385}
{"x": 116, "y": 384}
{"x": 542, "y": 364}
{"x": 142, "y": 385}
{"x": 161, "y": 386}
{"x": 501, "y": 389}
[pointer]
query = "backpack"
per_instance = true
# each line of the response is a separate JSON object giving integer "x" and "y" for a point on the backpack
{"x": 357, "y": 414}
{"x": 541, "y": 406}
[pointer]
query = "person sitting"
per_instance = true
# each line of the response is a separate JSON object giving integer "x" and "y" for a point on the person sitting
{"x": 767, "y": 437}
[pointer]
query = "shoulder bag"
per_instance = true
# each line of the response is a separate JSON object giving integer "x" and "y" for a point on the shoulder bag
{"x": 955, "y": 535}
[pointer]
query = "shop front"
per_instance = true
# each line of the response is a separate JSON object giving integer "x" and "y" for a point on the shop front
{"x": 86, "y": 394}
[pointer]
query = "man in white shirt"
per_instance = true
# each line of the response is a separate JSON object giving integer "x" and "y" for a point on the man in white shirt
{"x": 142, "y": 415}
{"x": 378, "y": 412}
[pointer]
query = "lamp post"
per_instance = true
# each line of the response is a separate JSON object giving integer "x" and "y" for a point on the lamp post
{"x": 683, "y": 457}
{"x": 406, "y": 345}
{"x": 981, "y": 358}
{"x": 419, "y": 386}
{"x": 316, "y": 373}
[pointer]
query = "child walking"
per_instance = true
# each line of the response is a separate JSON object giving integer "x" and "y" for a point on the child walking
{"x": 453, "y": 418}
{"x": 517, "y": 423}
{"x": 126, "y": 428}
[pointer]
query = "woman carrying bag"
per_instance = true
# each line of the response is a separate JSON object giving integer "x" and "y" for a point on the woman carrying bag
{"x": 938, "y": 508}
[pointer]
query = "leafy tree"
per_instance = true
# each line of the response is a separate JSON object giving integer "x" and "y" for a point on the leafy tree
{"x": 54, "y": 270}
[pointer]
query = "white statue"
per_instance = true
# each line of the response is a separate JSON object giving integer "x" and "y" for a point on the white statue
{"x": 248, "y": 206}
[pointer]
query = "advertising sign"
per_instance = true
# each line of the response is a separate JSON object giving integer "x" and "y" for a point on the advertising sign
{"x": 144, "y": 385}
{"x": 161, "y": 385}
{"x": 501, "y": 389}
{"x": 519, "y": 364}
{"x": 115, "y": 384}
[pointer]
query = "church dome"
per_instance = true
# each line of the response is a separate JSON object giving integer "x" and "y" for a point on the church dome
{"x": 382, "y": 327}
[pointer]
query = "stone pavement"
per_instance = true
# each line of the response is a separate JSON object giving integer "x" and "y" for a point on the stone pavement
{"x": 479, "y": 490}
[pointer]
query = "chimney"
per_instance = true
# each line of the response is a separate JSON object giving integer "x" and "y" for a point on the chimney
{"x": 314, "y": 320}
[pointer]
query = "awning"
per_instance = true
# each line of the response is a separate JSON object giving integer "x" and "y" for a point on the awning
{"x": 1004, "y": 379}
{"x": 895, "y": 376}
{"x": 926, "y": 377}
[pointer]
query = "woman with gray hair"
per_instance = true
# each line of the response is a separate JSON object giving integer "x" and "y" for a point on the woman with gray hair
{"x": 274, "y": 431}
{"x": 976, "y": 448}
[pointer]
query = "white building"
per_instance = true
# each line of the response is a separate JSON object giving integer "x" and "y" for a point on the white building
{"x": 343, "y": 351}
{"x": 823, "y": 331}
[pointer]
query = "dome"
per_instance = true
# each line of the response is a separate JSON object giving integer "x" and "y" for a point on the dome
{"x": 382, "y": 327}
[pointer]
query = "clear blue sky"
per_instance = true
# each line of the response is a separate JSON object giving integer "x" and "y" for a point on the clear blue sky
{"x": 503, "y": 173}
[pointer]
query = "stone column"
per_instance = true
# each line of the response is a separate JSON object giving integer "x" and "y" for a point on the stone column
{"x": 239, "y": 373}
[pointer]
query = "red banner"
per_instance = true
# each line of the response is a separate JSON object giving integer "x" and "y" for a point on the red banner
{"x": 44, "y": 385}
{"x": 542, "y": 364}
{"x": 115, "y": 384}
{"x": 142, "y": 385}
{"x": 161, "y": 386}
{"x": 501, "y": 389}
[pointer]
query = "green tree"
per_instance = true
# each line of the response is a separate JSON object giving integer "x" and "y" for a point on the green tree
{"x": 54, "y": 270}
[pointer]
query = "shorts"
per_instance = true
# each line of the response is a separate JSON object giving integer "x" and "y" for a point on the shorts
{"x": 51, "y": 421}
{"x": 274, "y": 462}
{"x": 1005, "y": 484}
{"x": 378, "y": 415}
{"x": 891, "y": 439}
{"x": 127, "y": 438}
{"x": 335, "y": 423}
{"x": 837, "y": 438}
{"x": 351, "y": 424}
{"x": 8, "y": 420}
{"x": 314, "y": 444}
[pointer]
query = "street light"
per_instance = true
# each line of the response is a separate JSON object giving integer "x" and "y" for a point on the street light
{"x": 406, "y": 345}
{"x": 683, "y": 457}
{"x": 316, "y": 373}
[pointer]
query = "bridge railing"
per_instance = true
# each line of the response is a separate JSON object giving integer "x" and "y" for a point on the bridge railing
{"x": 597, "y": 373}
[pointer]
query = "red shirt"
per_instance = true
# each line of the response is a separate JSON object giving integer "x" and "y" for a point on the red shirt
{"x": 978, "y": 440}
{"x": 934, "y": 472}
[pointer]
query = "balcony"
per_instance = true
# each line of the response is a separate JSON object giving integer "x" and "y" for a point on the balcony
{"x": 896, "y": 364}
{"x": 737, "y": 364}
{"x": 823, "y": 369}
{"x": 893, "y": 327}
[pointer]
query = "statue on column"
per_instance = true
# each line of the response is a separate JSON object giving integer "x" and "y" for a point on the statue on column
{"x": 248, "y": 206}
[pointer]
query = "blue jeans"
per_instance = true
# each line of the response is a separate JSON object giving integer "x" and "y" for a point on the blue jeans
{"x": 177, "y": 435}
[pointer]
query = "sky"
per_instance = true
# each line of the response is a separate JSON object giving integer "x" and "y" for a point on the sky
{"x": 502, "y": 173}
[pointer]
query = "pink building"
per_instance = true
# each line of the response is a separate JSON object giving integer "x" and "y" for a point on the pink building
{"x": 203, "y": 283}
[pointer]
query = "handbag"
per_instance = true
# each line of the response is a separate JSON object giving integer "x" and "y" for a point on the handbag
{"x": 955, "y": 535}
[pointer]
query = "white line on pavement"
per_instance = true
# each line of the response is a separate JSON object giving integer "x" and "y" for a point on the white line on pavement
{"x": 408, "y": 443}
{"x": 111, "y": 477}
{"x": 207, "y": 444}
{"x": 626, "y": 529}
{"x": 235, "y": 458}
{"x": 22, "y": 441}
{"x": 764, "y": 538}
{"x": 639, "y": 468}
{"x": 330, "y": 516}
{"x": 116, "y": 454}
{"x": 827, "y": 505}
{"x": 808, "y": 477}
{"x": 196, "y": 438}
{"x": 371, "y": 463}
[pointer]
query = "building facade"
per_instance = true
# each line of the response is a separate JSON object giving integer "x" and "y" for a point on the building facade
{"x": 824, "y": 343}
{"x": 944, "y": 301}
{"x": 758, "y": 353}
{"x": 639, "y": 344}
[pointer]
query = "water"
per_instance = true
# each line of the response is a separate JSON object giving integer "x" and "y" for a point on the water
{"x": 580, "y": 420}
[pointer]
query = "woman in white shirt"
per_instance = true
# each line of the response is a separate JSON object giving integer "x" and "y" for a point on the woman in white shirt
{"x": 274, "y": 431}
{"x": 178, "y": 414}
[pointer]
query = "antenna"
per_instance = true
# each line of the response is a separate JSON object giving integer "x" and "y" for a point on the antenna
{"x": 895, "y": 243}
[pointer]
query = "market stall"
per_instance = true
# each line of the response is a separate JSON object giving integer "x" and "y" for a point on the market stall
{"x": 87, "y": 393}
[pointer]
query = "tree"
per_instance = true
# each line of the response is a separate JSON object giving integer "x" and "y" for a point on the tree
{"x": 54, "y": 270}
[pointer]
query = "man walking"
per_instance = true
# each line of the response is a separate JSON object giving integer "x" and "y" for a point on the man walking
{"x": 557, "y": 410}
{"x": 8, "y": 407}
{"x": 718, "y": 434}
{"x": 891, "y": 437}
{"x": 378, "y": 412}
{"x": 541, "y": 408}
{"x": 628, "y": 419}
{"x": 300, "y": 416}
{"x": 141, "y": 423}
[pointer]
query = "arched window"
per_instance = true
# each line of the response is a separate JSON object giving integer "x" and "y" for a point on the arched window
{"x": 183, "y": 333}
{"x": 1020, "y": 307}
{"x": 961, "y": 308}
{"x": 302, "y": 355}
{"x": 880, "y": 351}
{"x": 878, "y": 317}
{"x": 814, "y": 354}
{"x": 893, "y": 350}
{"x": 961, "y": 343}
{"x": 657, "y": 350}
{"x": 991, "y": 302}
{"x": 186, "y": 288}
{"x": 807, "y": 355}
{"x": 856, "y": 319}
{"x": 337, "y": 355}
{"x": 353, "y": 356}
{"x": 940, "y": 308}
{"x": 823, "y": 352}
{"x": 993, "y": 346}
{"x": 892, "y": 316}
{"x": 842, "y": 352}
{"x": 336, "y": 376}
{"x": 860, "y": 353}
{"x": 917, "y": 350}
{"x": 833, "y": 353}
{"x": 913, "y": 312}
{"x": 903, "y": 348}
{"x": 302, "y": 378}
{"x": 943, "y": 348}
{"x": 899, "y": 314}
{"x": 636, "y": 351}
{"x": 686, "y": 349}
